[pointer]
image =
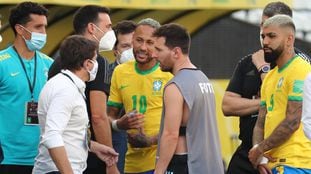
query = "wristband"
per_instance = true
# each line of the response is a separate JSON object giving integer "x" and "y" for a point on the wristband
{"x": 115, "y": 126}
{"x": 264, "y": 160}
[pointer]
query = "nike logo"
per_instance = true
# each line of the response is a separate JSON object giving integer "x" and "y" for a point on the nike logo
{"x": 14, "y": 74}
{"x": 123, "y": 86}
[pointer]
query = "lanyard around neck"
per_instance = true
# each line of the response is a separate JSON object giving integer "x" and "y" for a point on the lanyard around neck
{"x": 75, "y": 85}
{"x": 30, "y": 85}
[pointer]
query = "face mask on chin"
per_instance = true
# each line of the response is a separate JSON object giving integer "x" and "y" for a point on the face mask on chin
{"x": 126, "y": 55}
{"x": 106, "y": 43}
{"x": 93, "y": 71}
{"x": 36, "y": 42}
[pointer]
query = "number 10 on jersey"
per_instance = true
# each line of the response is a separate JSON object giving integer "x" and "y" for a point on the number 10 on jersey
{"x": 142, "y": 102}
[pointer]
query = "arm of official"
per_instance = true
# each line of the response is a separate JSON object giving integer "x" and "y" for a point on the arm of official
{"x": 60, "y": 158}
{"x": 57, "y": 118}
{"x": 234, "y": 104}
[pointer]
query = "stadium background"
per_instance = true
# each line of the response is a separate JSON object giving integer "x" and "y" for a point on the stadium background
{"x": 218, "y": 39}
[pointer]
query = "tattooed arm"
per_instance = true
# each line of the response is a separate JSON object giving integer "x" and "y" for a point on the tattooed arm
{"x": 286, "y": 128}
{"x": 280, "y": 134}
{"x": 255, "y": 153}
{"x": 258, "y": 132}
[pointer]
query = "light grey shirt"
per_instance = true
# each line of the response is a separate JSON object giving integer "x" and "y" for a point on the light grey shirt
{"x": 306, "y": 107}
{"x": 203, "y": 145}
{"x": 63, "y": 121}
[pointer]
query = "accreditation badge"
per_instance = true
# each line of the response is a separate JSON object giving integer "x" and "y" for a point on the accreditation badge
{"x": 31, "y": 113}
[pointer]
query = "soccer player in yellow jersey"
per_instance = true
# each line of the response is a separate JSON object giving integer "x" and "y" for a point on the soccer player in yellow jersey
{"x": 138, "y": 85}
{"x": 278, "y": 133}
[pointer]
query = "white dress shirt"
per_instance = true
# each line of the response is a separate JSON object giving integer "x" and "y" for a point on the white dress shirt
{"x": 63, "y": 121}
{"x": 306, "y": 107}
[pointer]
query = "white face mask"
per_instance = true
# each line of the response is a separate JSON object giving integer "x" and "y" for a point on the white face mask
{"x": 106, "y": 43}
{"x": 126, "y": 55}
{"x": 93, "y": 71}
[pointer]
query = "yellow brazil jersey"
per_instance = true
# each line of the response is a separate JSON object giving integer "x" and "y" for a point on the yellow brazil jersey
{"x": 140, "y": 90}
{"x": 279, "y": 87}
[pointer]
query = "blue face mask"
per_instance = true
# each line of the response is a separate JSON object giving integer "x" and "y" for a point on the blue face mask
{"x": 36, "y": 42}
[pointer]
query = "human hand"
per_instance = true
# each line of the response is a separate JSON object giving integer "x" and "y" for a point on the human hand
{"x": 105, "y": 153}
{"x": 264, "y": 169}
{"x": 255, "y": 155}
{"x": 131, "y": 120}
{"x": 258, "y": 59}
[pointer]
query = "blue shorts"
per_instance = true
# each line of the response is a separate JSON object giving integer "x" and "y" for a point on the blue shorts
{"x": 148, "y": 172}
{"x": 289, "y": 170}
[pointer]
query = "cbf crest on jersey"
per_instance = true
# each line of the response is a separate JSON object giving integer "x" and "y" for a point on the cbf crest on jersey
{"x": 157, "y": 86}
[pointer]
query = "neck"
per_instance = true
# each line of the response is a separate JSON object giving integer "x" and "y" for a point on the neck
{"x": 146, "y": 66}
{"x": 285, "y": 57}
{"x": 82, "y": 74}
{"x": 184, "y": 63}
{"x": 22, "y": 49}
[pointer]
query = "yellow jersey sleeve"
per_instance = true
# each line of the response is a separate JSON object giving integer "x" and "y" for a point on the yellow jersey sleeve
{"x": 115, "y": 99}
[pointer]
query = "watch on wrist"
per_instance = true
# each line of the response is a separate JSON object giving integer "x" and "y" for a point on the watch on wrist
{"x": 264, "y": 69}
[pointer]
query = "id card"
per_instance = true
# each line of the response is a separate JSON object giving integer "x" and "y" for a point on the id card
{"x": 31, "y": 113}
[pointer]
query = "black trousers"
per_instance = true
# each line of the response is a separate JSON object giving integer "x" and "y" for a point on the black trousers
{"x": 15, "y": 169}
{"x": 240, "y": 163}
{"x": 94, "y": 165}
{"x": 178, "y": 165}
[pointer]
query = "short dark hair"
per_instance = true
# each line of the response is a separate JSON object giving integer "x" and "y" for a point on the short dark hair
{"x": 274, "y": 8}
{"x": 175, "y": 36}
{"x": 85, "y": 15}
{"x": 74, "y": 50}
{"x": 20, "y": 14}
{"x": 124, "y": 27}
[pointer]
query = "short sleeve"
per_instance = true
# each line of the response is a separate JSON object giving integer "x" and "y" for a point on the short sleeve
{"x": 295, "y": 86}
{"x": 235, "y": 83}
{"x": 115, "y": 99}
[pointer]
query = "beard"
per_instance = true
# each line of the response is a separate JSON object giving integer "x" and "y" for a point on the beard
{"x": 166, "y": 69}
{"x": 273, "y": 56}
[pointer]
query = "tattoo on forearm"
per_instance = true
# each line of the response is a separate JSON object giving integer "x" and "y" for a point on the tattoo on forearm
{"x": 286, "y": 128}
{"x": 258, "y": 132}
